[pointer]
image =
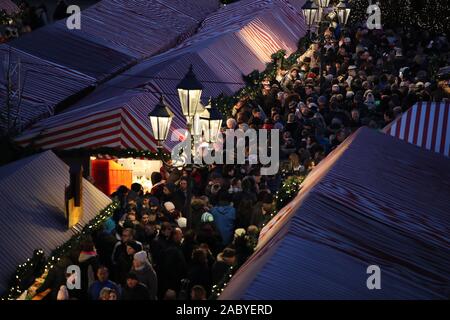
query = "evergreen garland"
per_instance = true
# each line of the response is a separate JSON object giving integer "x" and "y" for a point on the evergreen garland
{"x": 36, "y": 266}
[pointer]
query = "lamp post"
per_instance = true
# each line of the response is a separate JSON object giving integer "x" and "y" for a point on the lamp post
{"x": 200, "y": 121}
{"x": 190, "y": 91}
{"x": 210, "y": 123}
{"x": 160, "y": 120}
{"x": 315, "y": 14}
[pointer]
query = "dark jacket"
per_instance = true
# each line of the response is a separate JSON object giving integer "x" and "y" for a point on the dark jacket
{"x": 173, "y": 269}
{"x": 147, "y": 276}
{"x": 140, "y": 292}
{"x": 199, "y": 274}
{"x": 225, "y": 219}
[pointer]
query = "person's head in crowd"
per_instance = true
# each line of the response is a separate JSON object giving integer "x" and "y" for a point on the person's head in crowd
{"x": 198, "y": 293}
{"x": 166, "y": 230}
{"x": 145, "y": 217}
{"x": 170, "y": 295}
{"x": 132, "y": 280}
{"x": 252, "y": 231}
{"x": 140, "y": 260}
{"x": 102, "y": 274}
{"x": 113, "y": 295}
{"x": 397, "y": 111}
{"x": 229, "y": 256}
{"x": 177, "y": 236}
{"x": 355, "y": 114}
{"x": 256, "y": 113}
{"x": 224, "y": 197}
{"x": 133, "y": 247}
{"x": 105, "y": 293}
{"x": 184, "y": 183}
{"x": 199, "y": 257}
{"x": 156, "y": 177}
{"x": 127, "y": 235}
{"x": 169, "y": 207}
{"x": 207, "y": 217}
{"x": 182, "y": 222}
{"x": 169, "y": 188}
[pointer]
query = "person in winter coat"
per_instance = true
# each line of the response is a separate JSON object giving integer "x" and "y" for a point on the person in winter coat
{"x": 173, "y": 265}
{"x": 88, "y": 262}
{"x": 134, "y": 290}
{"x": 102, "y": 282}
{"x": 224, "y": 216}
{"x": 145, "y": 273}
{"x": 123, "y": 258}
{"x": 199, "y": 272}
{"x": 225, "y": 260}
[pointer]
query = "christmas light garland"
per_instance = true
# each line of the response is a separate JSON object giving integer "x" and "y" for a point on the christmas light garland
{"x": 36, "y": 266}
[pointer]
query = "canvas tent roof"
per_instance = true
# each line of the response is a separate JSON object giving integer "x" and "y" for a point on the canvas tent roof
{"x": 233, "y": 41}
{"x": 114, "y": 35}
{"x": 425, "y": 124}
{"x": 32, "y": 210}
{"x": 8, "y": 6}
{"x": 375, "y": 200}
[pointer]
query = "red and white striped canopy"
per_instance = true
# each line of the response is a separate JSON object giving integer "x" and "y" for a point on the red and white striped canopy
{"x": 426, "y": 124}
{"x": 225, "y": 47}
{"x": 119, "y": 122}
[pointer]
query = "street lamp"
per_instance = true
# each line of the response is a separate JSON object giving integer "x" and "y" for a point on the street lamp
{"x": 343, "y": 12}
{"x": 314, "y": 16}
{"x": 210, "y": 123}
{"x": 310, "y": 11}
{"x": 323, "y": 3}
{"x": 190, "y": 91}
{"x": 160, "y": 119}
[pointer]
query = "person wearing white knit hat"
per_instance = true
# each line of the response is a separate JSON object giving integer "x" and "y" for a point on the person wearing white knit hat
{"x": 182, "y": 222}
{"x": 169, "y": 206}
{"x": 145, "y": 273}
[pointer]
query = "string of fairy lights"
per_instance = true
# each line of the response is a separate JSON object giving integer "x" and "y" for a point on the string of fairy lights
{"x": 32, "y": 265}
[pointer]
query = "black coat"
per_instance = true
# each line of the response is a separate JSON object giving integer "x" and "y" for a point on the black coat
{"x": 140, "y": 292}
{"x": 199, "y": 275}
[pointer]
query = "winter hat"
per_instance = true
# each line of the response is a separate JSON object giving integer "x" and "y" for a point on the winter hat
{"x": 182, "y": 222}
{"x": 171, "y": 186}
{"x": 229, "y": 253}
{"x": 154, "y": 201}
{"x": 169, "y": 206}
{"x": 207, "y": 217}
{"x": 278, "y": 126}
{"x": 132, "y": 275}
{"x": 133, "y": 244}
{"x": 141, "y": 257}
{"x": 239, "y": 232}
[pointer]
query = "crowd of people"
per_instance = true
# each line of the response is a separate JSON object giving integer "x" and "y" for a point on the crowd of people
{"x": 182, "y": 238}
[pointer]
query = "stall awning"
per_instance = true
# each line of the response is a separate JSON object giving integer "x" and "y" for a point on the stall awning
{"x": 33, "y": 209}
{"x": 226, "y": 46}
{"x": 375, "y": 200}
{"x": 426, "y": 124}
{"x": 117, "y": 123}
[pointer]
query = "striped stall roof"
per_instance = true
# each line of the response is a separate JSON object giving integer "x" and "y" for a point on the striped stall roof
{"x": 8, "y": 6}
{"x": 375, "y": 200}
{"x": 220, "y": 58}
{"x": 114, "y": 36}
{"x": 119, "y": 122}
{"x": 426, "y": 124}
{"x": 42, "y": 84}
{"x": 33, "y": 209}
